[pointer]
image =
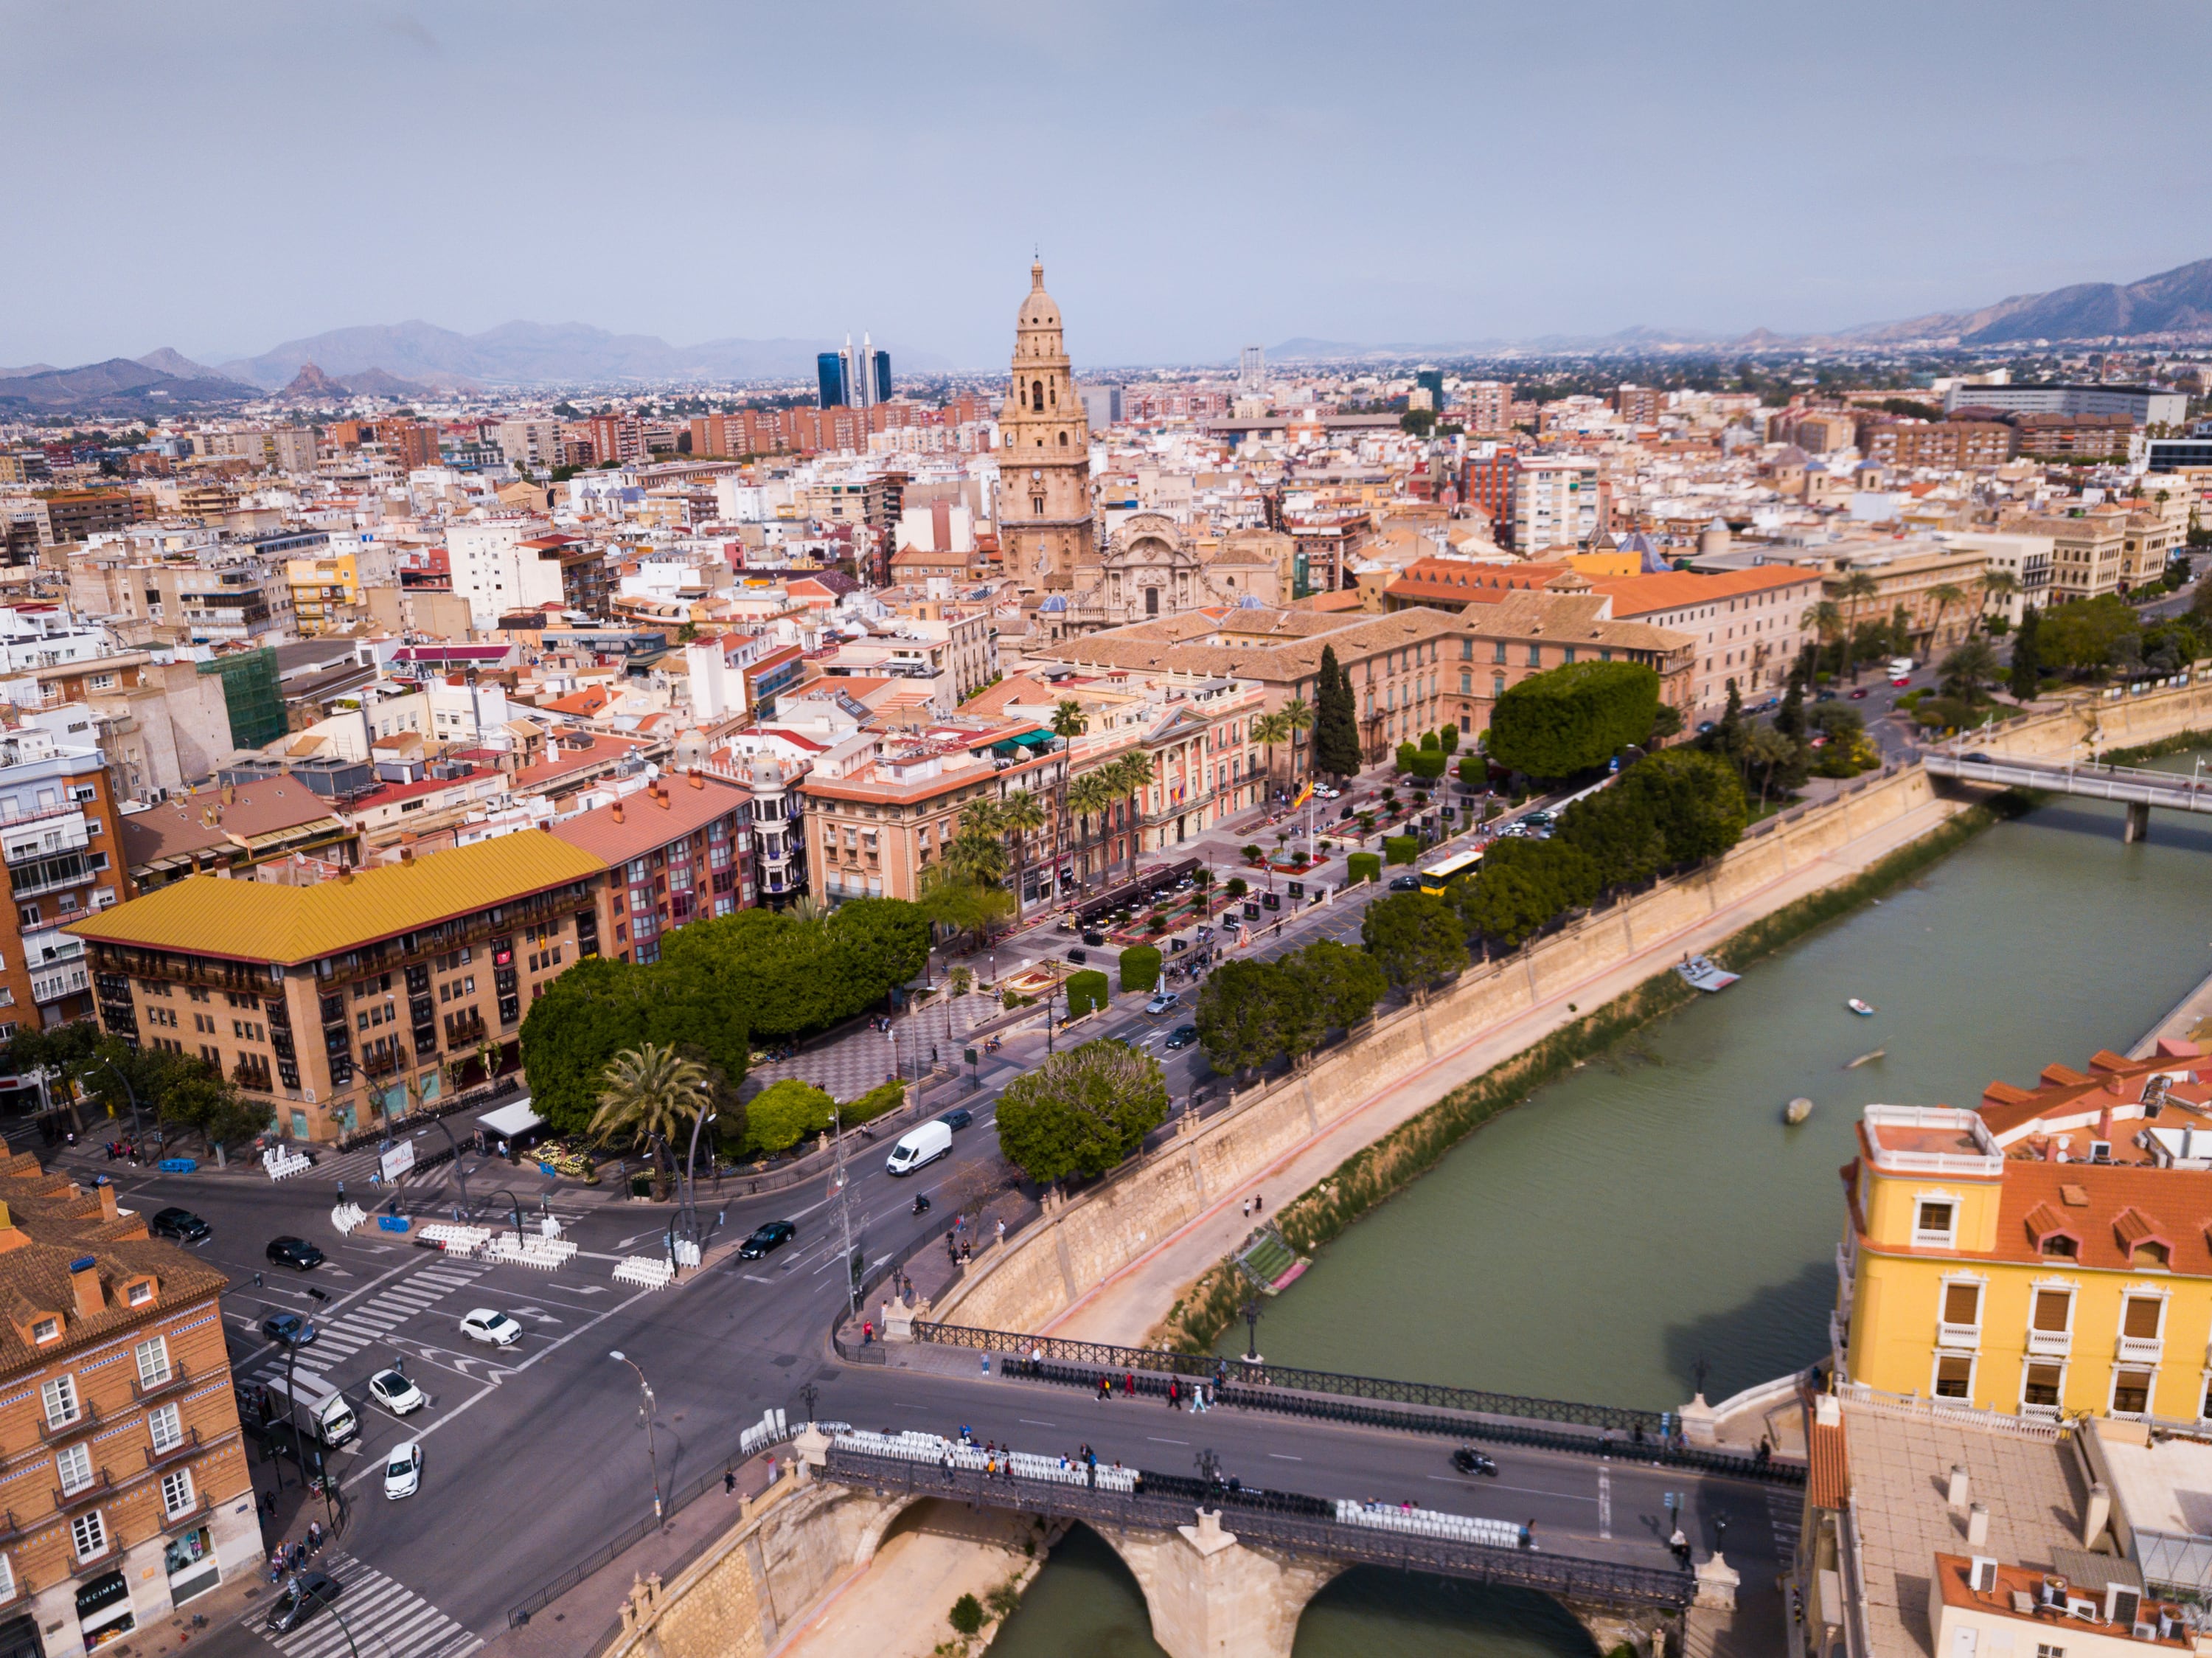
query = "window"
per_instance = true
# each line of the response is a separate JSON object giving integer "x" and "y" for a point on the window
{"x": 2041, "y": 1387}
{"x": 74, "y": 1469}
{"x": 141, "y": 1292}
{"x": 1498, "y": 651}
{"x": 1962, "y": 1305}
{"x": 153, "y": 1361}
{"x": 61, "y": 1402}
{"x": 46, "y": 1330}
{"x": 88, "y": 1531}
{"x": 2053, "y": 1309}
{"x": 1932, "y": 1225}
{"x": 1498, "y": 684}
{"x": 2142, "y": 1317}
{"x": 1535, "y": 655}
{"x": 7, "y": 1579}
{"x": 1954, "y": 1377}
{"x": 2131, "y": 1390}
{"x": 166, "y": 1425}
{"x": 177, "y": 1493}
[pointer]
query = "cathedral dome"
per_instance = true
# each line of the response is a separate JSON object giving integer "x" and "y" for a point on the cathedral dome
{"x": 1040, "y": 309}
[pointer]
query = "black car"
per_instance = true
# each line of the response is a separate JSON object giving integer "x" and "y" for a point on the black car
{"x": 179, "y": 1223}
{"x": 1468, "y": 1461}
{"x": 294, "y": 1253}
{"x": 304, "y": 1596}
{"x": 774, "y": 1234}
{"x": 1182, "y": 1037}
{"x": 1404, "y": 883}
{"x": 1978, "y": 760}
{"x": 958, "y": 1117}
{"x": 288, "y": 1330}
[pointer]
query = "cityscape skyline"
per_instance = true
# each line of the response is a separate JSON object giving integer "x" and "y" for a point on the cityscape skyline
{"x": 1467, "y": 236}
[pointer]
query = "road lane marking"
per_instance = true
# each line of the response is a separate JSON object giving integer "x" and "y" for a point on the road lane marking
{"x": 1604, "y": 1503}
{"x": 1277, "y": 1456}
{"x": 1157, "y": 1440}
{"x": 1033, "y": 1422}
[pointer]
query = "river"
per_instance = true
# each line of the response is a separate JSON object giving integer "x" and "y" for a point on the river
{"x": 1653, "y": 1209}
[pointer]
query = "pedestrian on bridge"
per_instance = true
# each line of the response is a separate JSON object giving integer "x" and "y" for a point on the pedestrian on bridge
{"x": 1175, "y": 1394}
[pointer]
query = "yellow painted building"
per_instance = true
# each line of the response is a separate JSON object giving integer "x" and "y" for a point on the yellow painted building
{"x": 323, "y": 591}
{"x": 2049, "y": 1254}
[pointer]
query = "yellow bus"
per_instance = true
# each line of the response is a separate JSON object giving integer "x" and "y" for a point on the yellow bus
{"x": 1438, "y": 876}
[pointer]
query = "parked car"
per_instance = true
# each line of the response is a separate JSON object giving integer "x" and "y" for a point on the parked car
{"x": 402, "y": 1470}
{"x": 295, "y": 1252}
{"x": 1538, "y": 818}
{"x": 1900, "y": 681}
{"x": 1164, "y": 1002}
{"x": 288, "y": 1329}
{"x": 1094, "y": 938}
{"x": 485, "y": 1325}
{"x": 1978, "y": 760}
{"x": 1404, "y": 883}
{"x": 1182, "y": 1037}
{"x": 1824, "y": 695}
{"x": 774, "y": 1234}
{"x": 958, "y": 1117}
{"x": 179, "y": 1223}
{"x": 395, "y": 1392}
{"x": 1858, "y": 693}
{"x": 308, "y": 1593}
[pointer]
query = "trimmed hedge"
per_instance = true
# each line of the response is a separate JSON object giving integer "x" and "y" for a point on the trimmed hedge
{"x": 1085, "y": 991}
{"x": 1568, "y": 720}
{"x": 1364, "y": 866}
{"x": 1140, "y": 967}
{"x": 1401, "y": 848}
{"x": 884, "y": 1096}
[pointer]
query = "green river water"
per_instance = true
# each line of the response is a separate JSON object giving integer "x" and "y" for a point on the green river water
{"x": 1653, "y": 1209}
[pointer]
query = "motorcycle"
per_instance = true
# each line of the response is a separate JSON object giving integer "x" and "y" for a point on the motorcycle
{"x": 993, "y": 1045}
{"x": 1468, "y": 1461}
{"x": 921, "y": 1204}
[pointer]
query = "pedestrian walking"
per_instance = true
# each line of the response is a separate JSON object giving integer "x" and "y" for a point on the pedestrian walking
{"x": 1105, "y": 1392}
{"x": 867, "y": 1332}
{"x": 1129, "y": 1384}
{"x": 1258, "y": 1203}
{"x": 1247, "y": 1209}
{"x": 729, "y": 1481}
{"x": 1002, "y": 1231}
{"x": 1175, "y": 1395}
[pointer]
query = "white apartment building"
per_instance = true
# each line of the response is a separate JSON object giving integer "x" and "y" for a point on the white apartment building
{"x": 2029, "y": 559}
{"x": 1555, "y": 502}
{"x": 534, "y": 443}
{"x": 494, "y": 572}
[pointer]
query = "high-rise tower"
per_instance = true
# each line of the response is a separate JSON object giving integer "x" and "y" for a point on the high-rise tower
{"x": 1044, "y": 468}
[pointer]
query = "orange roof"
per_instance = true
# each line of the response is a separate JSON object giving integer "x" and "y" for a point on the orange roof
{"x": 1463, "y": 581}
{"x": 651, "y": 817}
{"x": 1828, "y": 1478}
{"x": 1679, "y": 589}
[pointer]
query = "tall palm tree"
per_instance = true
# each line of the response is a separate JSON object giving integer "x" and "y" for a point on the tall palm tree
{"x": 651, "y": 1093}
{"x": 977, "y": 853}
{"x": 1298, "y": 716}
{"x": 1998, "y": 584}
{"x": 1133, "y": 775}
{"x": 1068, "y": 719}
{"x": 1946, "y": 594}
{"x": 1021, "y": 815}
{"x": 1270, "y": 730}
{"x": 1856, "y": 587}
{"x": 1089, "y": 797}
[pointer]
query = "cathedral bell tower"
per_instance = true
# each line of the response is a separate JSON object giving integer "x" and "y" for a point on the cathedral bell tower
{"x": 1044, "y": 467}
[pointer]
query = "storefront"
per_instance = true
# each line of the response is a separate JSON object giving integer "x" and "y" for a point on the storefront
{"x": 191, "y": 1563}
{"x": 103, "y": 1610}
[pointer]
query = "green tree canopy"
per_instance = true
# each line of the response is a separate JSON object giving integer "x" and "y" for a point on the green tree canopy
{"x": 1241, "y": 1016}
{"x": 1414, "y": 939}
{"x": 880, "y": 940}
{"x": 1082, "y": 1111}
{"x": 1522, "y": 886}
{"x": 785, "y": 1112}
{"x": 600, "y": 1007}
{"x": 1087, "y": 990}
{"x": 1140, "y": 967}
{"x": 2027, "y": 652}
{"x": 2087, "y": 634}
{"x": 1339, "y": 984}
{"x": 1568, "y": 720}
{"x": 1336, "y": 726}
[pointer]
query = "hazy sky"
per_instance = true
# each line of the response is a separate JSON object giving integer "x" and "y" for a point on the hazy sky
{"x": 220, "y": 178}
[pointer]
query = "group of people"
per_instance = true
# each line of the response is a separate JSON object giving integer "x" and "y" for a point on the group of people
{"x": 1180, "y": 1393}
{"x": 293, "y": 1556}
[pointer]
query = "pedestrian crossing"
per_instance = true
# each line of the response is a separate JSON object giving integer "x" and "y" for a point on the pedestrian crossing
{"x": 1785, "y": 1509}
{"x": 373, "y": 1319}
{"x": 377, "y": 1613}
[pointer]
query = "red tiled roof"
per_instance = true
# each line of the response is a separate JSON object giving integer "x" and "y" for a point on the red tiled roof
{"x": 1679, "y": 589}
{"x": 1828, "y": 1478}
{"x": 653, "y": 816}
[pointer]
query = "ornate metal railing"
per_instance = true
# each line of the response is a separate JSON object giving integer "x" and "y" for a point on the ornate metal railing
{"x": 1278, "y": 1520}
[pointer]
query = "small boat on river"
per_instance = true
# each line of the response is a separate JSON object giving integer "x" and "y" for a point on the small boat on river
{"x": 1798, "y": 1111}
{"x": 1864, "y": 1010}
{"x": 1866, "y": 1058}
{"x": 1699, "y": 973}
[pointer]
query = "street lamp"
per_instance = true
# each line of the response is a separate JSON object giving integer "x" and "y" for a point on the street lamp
{"x": 690, "y": 1188}
{"x": 130, "y": 1091}
{"x": 645, "y": 1410}
{"x": 1250, "y": 1313}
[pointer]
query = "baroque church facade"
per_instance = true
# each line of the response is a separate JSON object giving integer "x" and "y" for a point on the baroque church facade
{"x": 1075, "y": 579}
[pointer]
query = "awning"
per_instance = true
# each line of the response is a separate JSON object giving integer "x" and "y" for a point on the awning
{"x": 1027, "y": 740}
{"x": 510, "y": 1121}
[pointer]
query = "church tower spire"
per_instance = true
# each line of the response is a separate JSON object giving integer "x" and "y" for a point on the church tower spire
{"x": 1044, "y": 467}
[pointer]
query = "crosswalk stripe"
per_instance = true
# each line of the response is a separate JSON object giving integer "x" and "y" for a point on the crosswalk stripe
{"x": 380, "y": 1614}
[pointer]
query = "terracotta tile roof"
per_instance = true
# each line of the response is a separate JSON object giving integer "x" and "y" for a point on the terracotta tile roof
{"x": 2123, "y": 1200}
{"x": 208, "y": 821}
{"x": 637, "y": 823}
{"x": 1828, "y": 1476}
{"x": 1641, "y": 595}
{"x": 263, "y": 921}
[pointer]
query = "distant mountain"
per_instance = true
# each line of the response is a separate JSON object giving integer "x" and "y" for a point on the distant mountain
{"x": 537, "y": 354}
{"x": 170, "y": 361}
{"x": 312, "y": 385}
{"x": 117, "y": 387}
{"x": 27, "y": 368}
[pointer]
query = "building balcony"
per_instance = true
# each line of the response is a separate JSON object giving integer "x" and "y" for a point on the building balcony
{"x": 179, "y": 1377}
{"x": 52, "y": 987}
{"x": 103, "y": 1485}
{"x": 2142, "y": 1350}
{"x": 2049, "y": 1343}
{"x": 55, "y": 1433}
{"x": 187, "y": 1446}
{"x": 1839, "y": 1334}
{"x": 1959, "y": 1337}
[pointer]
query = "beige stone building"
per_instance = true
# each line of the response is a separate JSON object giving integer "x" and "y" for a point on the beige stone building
{"x": 1045, "y": 523}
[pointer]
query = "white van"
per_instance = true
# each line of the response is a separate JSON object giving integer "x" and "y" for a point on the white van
{"x": 321, "y": 1411}
{"x": 918, "y": 1146}
{"x": 1900, "y": 667}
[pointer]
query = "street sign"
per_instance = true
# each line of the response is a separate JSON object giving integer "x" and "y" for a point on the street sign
{"x": 396, "y": 1160}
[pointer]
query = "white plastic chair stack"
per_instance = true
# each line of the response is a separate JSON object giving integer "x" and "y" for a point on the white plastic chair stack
{"x": 914, "y": 1446}
{"x": 768, "y": 1431}
{"x": 649, "y": 1271}
{"x": 1429, "y": 1522}
{"x": 347, "y": 1217}
{"x": 464, "y": 1240}
{"x": 546, "y": 1255}
{"x": 281, "y": 1164}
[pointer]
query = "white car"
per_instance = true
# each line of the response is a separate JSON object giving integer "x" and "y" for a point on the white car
{"x": 395, "y": 1392}
{"x": 485, "y": 1325}
{"x": 402, "y": 1470}
{"x": 1162, "y": 1001}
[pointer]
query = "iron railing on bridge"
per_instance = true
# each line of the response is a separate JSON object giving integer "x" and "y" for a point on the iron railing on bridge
{"x": 1279, "y": 1521}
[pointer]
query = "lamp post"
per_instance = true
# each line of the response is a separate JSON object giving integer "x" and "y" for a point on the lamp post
{"x": 690, "y": 1186}
{"x": 128, "y": 1090}
{"x": 1250, "y": 1313}
{"x": 645, "y": 1410}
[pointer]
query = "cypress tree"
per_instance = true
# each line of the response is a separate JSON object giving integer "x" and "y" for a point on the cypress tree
{"x": 1336, "y": 732}
{"x": 2027, "y": 655}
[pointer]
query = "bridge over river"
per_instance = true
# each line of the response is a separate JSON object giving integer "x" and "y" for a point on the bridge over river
{"x": 2137, "y": 787}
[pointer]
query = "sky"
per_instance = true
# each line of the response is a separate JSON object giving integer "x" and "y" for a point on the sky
{"x": 1196, "y": 176}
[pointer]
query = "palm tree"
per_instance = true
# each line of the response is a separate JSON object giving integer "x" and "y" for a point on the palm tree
{"x": 1133, "y": 775}
{"x": 651, "y": 1093}
{"x": 1856, "y": 586}
{"x": 1068, "y": 719}
{"x": 977, "y": 853}
{"x": 1021, "y": 815}
{"x": 1091, "y": 796}
{"x": 1272, "y": 728}
{"x": 1824, "y": 620}
{"x": 1946, "y": 594}
{"x": 1998, "y": 584}
{"x": 1298, "y": 716}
